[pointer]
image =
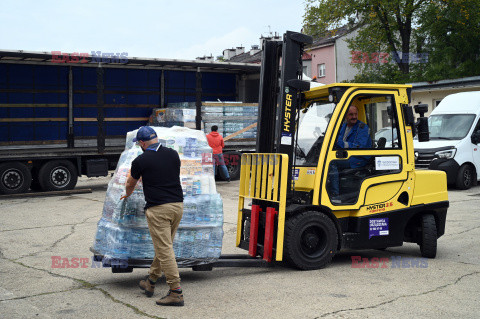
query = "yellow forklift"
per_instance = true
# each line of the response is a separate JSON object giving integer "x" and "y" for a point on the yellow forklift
{"x": 319, "y": 183}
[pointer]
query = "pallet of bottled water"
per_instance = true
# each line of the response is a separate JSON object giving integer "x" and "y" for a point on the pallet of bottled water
{"x": 122, "y": 232}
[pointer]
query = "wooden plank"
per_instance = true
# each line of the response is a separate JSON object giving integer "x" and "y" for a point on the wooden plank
{"x": 77, "y": 119}
{"x": 52, "y": 193}
{"x": 31, "y": 105}
{"x": 38, "y": 119}
{"x": 111, "y": 119}
{"x": 239, "y": 132}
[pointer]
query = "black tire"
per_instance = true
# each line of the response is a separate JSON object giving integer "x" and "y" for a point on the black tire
{"x": 428, "y": 244}
{"x": 121, "y": 270}
{"x": 57, "y": 176}
{"x": 465, "y": 177}
{"x": 15, "y": 178}
{"x": 310, "y": 240}
{"x": 233, "y": 164}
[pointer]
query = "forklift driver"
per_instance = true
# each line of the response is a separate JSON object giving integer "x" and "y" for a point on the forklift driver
{"x": 353, "y": 134}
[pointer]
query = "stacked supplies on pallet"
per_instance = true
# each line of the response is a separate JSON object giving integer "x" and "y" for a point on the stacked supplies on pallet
{"x": 230, "y": 117}
{"x": 173, "y": 116}
{"x": 122, "y": 232}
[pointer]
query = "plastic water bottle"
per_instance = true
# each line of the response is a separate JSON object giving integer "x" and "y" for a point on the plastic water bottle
{"x": 211, "y": 184}
{"x": 121, "y": 245}
{"x": 217, "y": 237}
{"x": 217, "y": 210}
{"x": 199, "y": 245}
{"x": 141, "y": 244}
{"x": 204, "y": 184}
{"x": 189, "y": 211}
{"x": 188, "y": 243}
{"x": 100, "y": 244}
{"x": 178, "y": 243}
{"x": 203, "y": 211}
{"x": 197, "y": 187}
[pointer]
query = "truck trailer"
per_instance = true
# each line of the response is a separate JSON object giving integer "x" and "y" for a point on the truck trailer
{"x": 61, "y": 118}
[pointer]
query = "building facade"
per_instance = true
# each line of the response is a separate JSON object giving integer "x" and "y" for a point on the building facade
{"x": 331, "y": 59}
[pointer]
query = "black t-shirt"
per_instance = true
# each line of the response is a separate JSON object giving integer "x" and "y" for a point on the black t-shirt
{"x": 160, "y": 172}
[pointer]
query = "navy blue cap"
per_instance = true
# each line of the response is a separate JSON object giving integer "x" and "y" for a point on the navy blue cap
{"x": 145, "y": 133}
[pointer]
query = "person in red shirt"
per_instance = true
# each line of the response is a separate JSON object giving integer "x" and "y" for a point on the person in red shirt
{"x": 215, "y": 141}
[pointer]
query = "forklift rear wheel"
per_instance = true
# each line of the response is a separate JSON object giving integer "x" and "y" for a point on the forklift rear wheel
{"x": 310, "y": 240}
{"x": 428, "y": 245}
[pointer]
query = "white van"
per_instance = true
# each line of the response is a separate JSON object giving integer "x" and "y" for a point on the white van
{"x": 454, "y": 145}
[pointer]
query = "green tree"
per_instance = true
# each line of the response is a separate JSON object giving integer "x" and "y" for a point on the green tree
{"x": 451, "y": 29}
{"x": 439, "y": 29}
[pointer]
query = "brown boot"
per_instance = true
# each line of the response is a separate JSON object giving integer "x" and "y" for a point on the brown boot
{"x": 173, "y": 298}
{"x": 147, "y": 286}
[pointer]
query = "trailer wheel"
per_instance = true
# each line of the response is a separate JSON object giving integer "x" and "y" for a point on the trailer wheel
{"x": 428, "y": 244}
{"x": 15, "y": 178}
{"x": 233, "y": 164}
{"x": 310, "y": 240}
{"x": 465, "y": 177}
{"x": 57, "y": 176}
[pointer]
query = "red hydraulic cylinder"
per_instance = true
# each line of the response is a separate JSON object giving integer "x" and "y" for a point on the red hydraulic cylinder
{"x": 269, "y": 227}
{"x": 252, "y": 248}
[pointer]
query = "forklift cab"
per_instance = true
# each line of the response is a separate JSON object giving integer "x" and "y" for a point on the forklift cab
{"x": 345, "y": 168}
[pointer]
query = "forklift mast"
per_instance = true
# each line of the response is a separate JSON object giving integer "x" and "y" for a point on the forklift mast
{"x": 277, "y": 124}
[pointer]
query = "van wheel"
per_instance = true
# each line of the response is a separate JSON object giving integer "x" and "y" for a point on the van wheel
{"x": 57, "y": 176}
{"x": 310, "y": 240}
{"x": 15, "y": 178}
{"x": 428, "y": 244}
{"x": 465, "y": 177}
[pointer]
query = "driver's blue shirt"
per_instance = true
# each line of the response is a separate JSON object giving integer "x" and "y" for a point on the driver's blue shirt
{"x": 358, "y": 137}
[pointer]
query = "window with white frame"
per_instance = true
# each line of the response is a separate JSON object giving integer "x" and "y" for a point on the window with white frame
{"x": 321, "y": 70}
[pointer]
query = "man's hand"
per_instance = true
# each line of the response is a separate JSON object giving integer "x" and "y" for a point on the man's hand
{"x": 124, "y": 196}
{"x": 129, "y": 186}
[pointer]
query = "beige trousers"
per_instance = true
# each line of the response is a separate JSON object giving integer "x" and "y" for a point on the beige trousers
{"x": 163, "y": 222}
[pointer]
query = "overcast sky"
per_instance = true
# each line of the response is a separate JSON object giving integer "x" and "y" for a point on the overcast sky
{"x": 174, "y": 29}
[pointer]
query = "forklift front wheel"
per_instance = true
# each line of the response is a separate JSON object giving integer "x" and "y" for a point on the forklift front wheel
{"x": 310, "y": 240}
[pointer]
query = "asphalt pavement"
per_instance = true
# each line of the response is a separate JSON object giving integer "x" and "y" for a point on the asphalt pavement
{"x": 37, "y": 230}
